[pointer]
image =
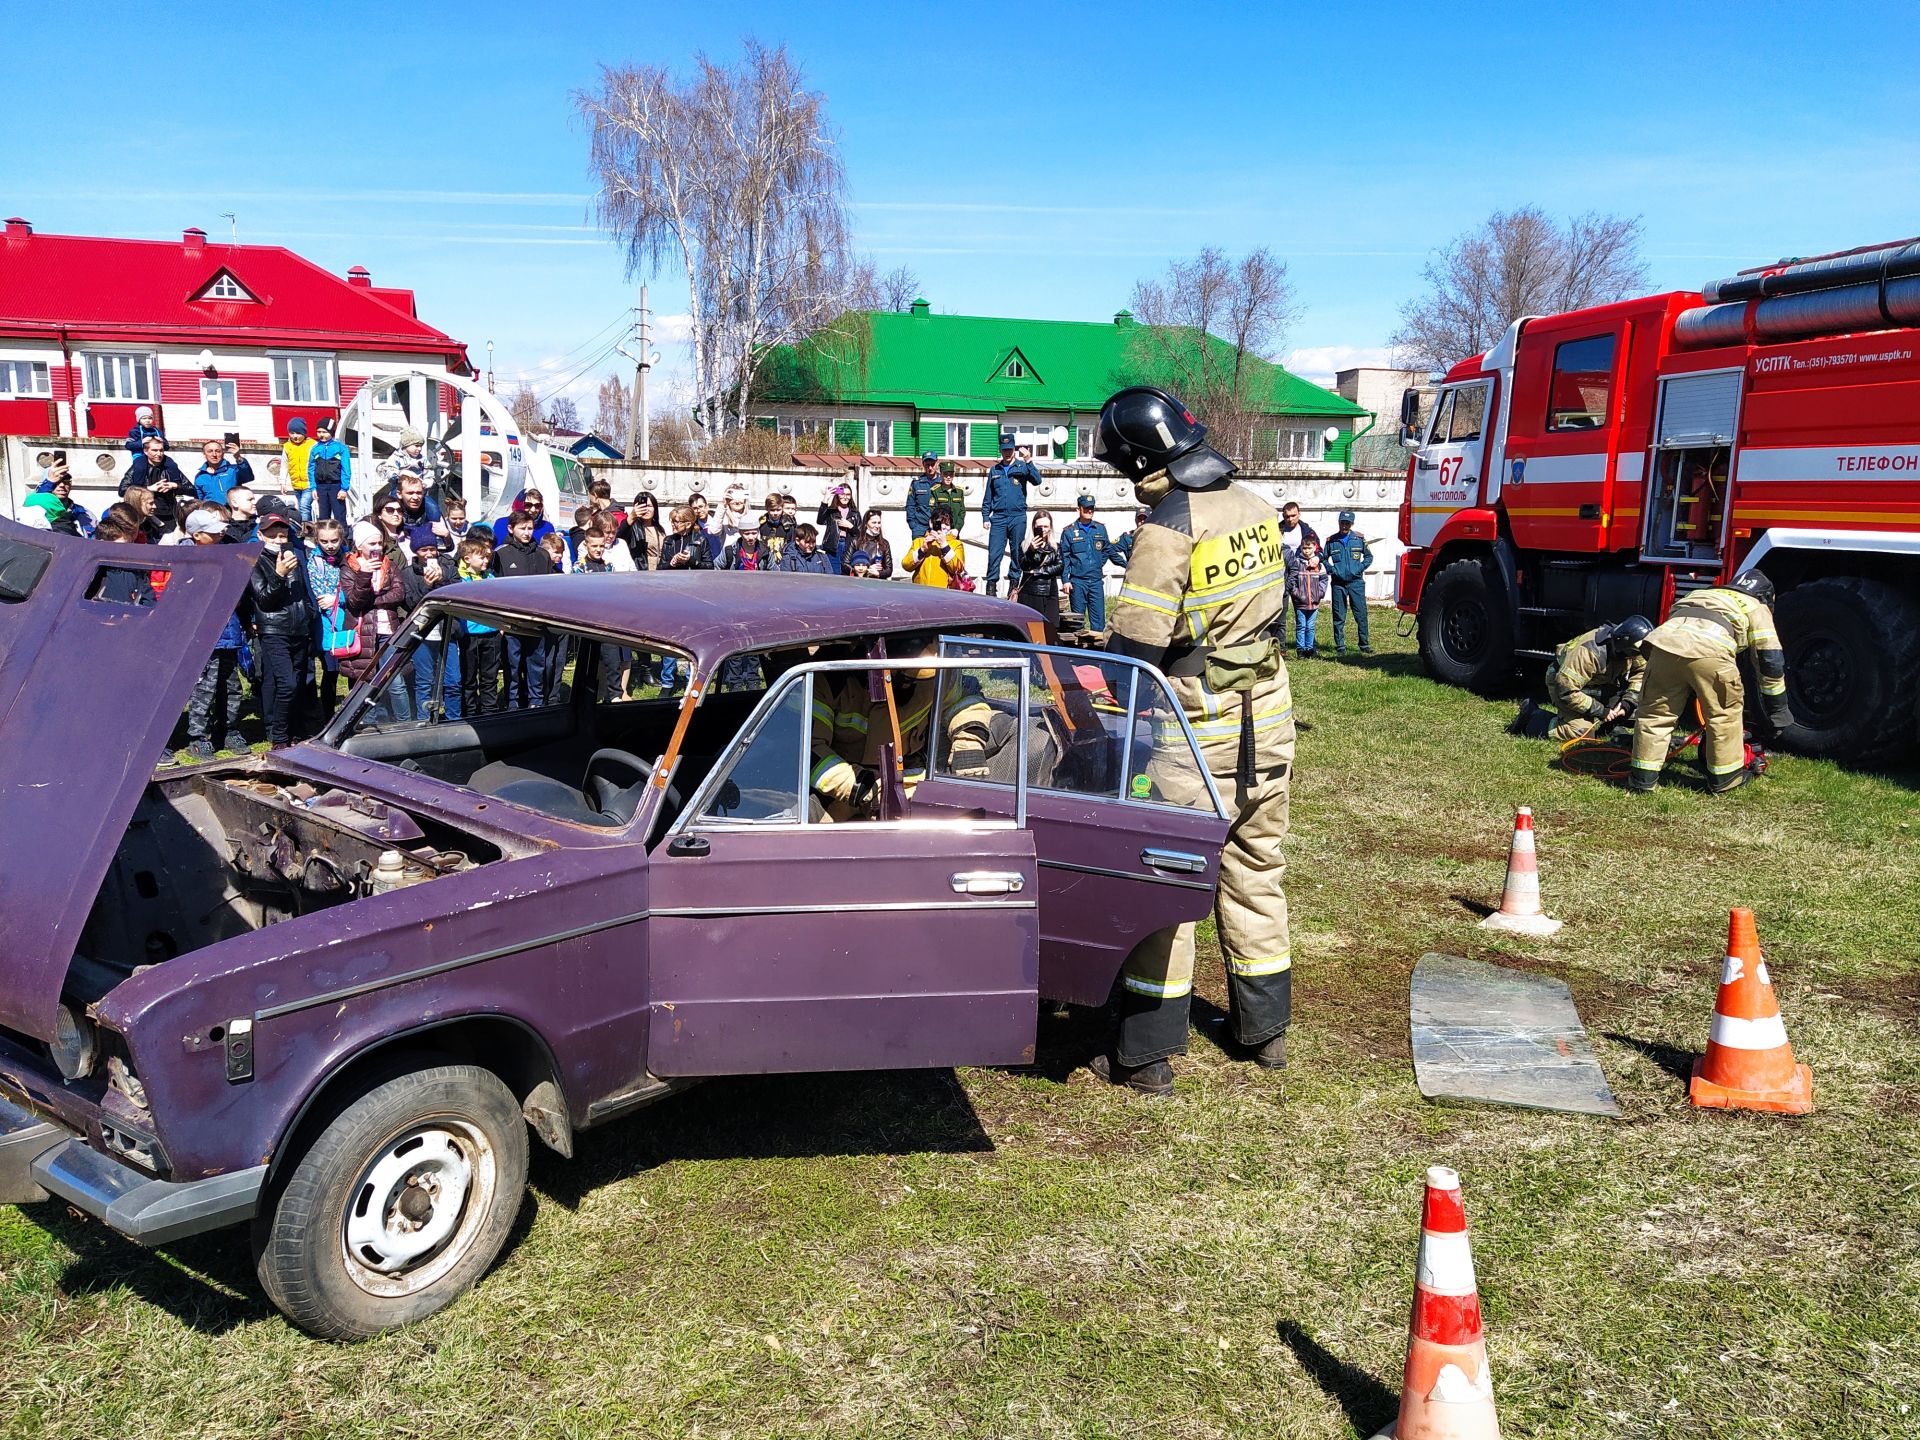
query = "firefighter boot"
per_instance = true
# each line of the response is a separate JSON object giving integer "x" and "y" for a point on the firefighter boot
{"x": 1154, "y": 1078}
{"x": 1732, "y": 780}
{"x": 1273, "y": 1054}
{"x": 1642, "y": 782}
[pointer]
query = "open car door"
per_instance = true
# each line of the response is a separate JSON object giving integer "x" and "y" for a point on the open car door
{"x": 781, "y": 940}
{"x": 1100, "y": 745}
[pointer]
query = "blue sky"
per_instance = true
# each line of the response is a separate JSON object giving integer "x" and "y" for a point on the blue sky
{"x": 1021, "y": 159}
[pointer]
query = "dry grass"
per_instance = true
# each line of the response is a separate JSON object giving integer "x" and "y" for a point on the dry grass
{"x": 1003, "y": 1254}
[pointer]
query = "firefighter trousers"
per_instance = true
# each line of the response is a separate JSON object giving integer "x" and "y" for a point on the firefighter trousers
{"x": 1156, "y": 983}
{"x": 1671, "y": 681}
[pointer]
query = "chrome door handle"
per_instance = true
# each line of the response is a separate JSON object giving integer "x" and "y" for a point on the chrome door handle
{"x": 1177, "y": 860}
{"x": 988, "y": 882}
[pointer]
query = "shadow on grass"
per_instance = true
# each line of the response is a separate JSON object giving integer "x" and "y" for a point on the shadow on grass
{"x": 1474, "y": 904}
{"x": 1670, "y": 1058}
{"x": 1368, "y": 1404}
{"x": 210, "y": 1286}
{"x": 892, "y": 1112}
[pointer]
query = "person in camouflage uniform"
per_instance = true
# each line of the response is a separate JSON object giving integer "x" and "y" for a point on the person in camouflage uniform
{"x": 1203, "y": 593}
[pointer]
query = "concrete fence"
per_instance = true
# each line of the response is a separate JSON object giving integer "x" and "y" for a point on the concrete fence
{"x": 1374, "y": 496}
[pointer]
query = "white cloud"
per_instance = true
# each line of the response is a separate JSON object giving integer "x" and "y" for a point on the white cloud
{"x": 1319, "y": 363}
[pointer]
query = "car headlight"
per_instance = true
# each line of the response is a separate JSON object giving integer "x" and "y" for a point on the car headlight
{"x": 73, "y": 1044}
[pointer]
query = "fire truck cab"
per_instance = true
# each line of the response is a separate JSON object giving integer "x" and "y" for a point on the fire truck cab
{"x": 1605, "y": 461}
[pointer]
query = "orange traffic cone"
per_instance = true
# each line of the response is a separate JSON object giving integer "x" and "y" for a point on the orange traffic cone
{"x": 1447, "y": 1393}
{"x": 1749, "y": 1065}
{"x": 1520, "y": 911}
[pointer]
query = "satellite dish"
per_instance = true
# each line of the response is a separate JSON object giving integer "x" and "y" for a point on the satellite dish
{"x": 1059, "y": 435}
{"x": 206, "y": 359}
{"x": 1330, "y": 434}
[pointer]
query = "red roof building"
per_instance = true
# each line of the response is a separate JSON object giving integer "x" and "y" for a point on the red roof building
{"x": 215, "y": 338}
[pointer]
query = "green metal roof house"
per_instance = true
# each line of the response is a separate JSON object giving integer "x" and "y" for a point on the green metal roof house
{"x": 901, "y": 383}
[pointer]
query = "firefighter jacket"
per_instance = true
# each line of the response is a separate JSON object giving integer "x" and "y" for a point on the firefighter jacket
{"x": 1585, "y": 680}
{"x": 1725, "y": 621}
{"x": 1203, "y": 590}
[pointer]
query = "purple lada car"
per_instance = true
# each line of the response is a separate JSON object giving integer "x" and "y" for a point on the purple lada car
{"x": 329, "y": 991}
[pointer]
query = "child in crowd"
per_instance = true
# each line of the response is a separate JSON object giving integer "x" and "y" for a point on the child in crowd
{"x": 595, "y": 559}
{"x": 555, "y": 544}
{"x": 374, "y": 594}
{"x": 1307, "y": 586}
{"x": 296, "y": 451}
{"x": 213, "y": 715}
{"x": 453, "y": 515}
{"x": 330, "y": 469}
{"x": 525, "y": 658}
{"x": 438, "y": 654}
{"x": 804, "y": 557}
{"x": 481, "y": 647}
{"x": 937, "y": 557}
{"x": 324, "y": 558}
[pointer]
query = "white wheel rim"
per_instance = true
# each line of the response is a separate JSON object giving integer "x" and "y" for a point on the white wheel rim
{"x": 415, "y": 1209}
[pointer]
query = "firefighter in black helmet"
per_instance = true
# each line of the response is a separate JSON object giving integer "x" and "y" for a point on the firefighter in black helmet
{"x": 1593, "y": 681}
{"x": 1203, "y": 591}
{"x": 1696, "y": 654}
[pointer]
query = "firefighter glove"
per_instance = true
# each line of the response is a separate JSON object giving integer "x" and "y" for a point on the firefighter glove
{"x": 1779, "y": 713}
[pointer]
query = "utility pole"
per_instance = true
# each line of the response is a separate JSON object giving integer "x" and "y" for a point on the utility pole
{"x": 638, "y": 441}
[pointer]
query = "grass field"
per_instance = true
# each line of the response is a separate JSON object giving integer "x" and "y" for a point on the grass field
{"x": 1032, "y": 1254}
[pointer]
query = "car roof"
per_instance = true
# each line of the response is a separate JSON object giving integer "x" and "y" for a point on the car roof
{"x": 713, "y": 614}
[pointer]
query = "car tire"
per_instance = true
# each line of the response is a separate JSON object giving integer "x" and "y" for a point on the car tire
{"x": 1853, "y": 668}
{"x": 400, "y": 1203}
{"x": 1466, "y": 629}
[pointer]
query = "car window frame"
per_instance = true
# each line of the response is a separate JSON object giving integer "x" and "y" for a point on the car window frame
{"x": 691, "y": 818}
{"x": 1074, "y": 653}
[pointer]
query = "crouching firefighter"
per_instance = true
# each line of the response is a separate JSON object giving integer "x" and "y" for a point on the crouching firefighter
{"x": 1696, "y": 653}
{"x": 1203, "y": 591}
{"x": 1593, "y": 681}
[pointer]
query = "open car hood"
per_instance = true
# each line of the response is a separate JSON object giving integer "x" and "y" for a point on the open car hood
{"x": 90, "y": 689}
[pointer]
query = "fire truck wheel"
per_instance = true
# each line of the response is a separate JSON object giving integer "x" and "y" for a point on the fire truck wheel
{"x": 1853, "y": 668}
{"x": 1466, "y": 629}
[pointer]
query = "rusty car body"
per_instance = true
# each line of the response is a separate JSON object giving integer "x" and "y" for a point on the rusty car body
{"x": 330, "y": 990}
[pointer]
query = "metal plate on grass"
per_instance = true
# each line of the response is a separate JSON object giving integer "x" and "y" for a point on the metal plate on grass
{"x": 1503, "y": 1037}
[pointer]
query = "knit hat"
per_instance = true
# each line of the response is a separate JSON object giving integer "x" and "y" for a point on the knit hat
{"x": 860, "y": 557}
{"x": 367, "y": 533}
{"x": 411, "y": 436}
{"x": 296, "y": 426}
{"x": 205, "y": 522}
{"x": 144, "y": 414}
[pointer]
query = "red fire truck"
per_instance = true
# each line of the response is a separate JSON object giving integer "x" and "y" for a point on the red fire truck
{"x": 1603, "y": 462}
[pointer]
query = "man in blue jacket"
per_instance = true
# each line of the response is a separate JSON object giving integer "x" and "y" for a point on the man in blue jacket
{"x": 1347, "y": 560}
{"x": 1084, "y": 549}
{"x": 920, "y": 495}
{"x": 1004, "y": 507}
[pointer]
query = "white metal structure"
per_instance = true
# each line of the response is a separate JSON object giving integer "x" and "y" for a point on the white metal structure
{"x": 497, "y": 465}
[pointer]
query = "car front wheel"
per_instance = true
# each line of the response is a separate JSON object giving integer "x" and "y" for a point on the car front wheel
{"x": 397, "y": 1206}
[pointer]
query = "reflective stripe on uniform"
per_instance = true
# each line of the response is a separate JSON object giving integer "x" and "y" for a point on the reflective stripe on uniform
{"x": 1739, "y": 764}
{"x": 1148, "y": 599}
{"x": 1228, "y": 726}
{"x": 824, "y": 767}
{"x": 1269, "y": 965}
{"x": 1158, "y": 989}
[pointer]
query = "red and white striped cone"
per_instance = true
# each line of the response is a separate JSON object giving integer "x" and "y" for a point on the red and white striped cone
{"x": 1520, "y": 912}
{"x": 1447, "y": 1392}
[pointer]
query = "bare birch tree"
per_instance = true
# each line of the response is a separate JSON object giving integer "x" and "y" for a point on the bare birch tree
{"x": 733, "y": 174}
{"x": 614, "y": 404}
{"x": 1199, "y": 327}
{"x": 895, "y": 290}
{"x": 563, "y": 414}
{"x": 1520, "y": 262}
{"x": 524, "y": 405}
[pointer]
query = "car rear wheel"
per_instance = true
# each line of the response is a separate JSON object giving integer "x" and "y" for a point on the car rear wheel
{"x": 1466, "y": 629}
{"x": 1853, "y": 668}
{"x": 398, "y": 1205}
